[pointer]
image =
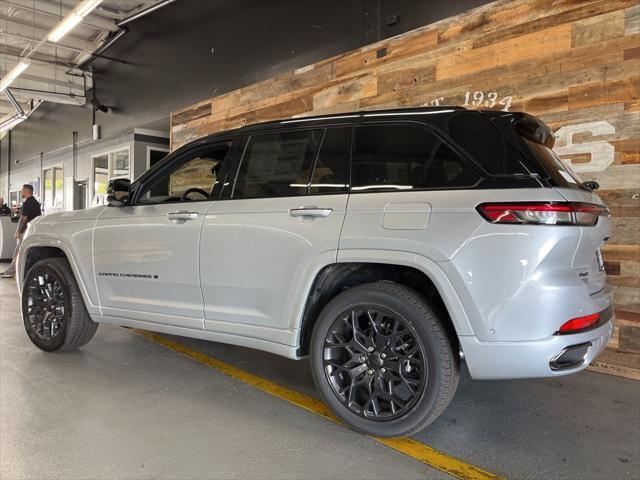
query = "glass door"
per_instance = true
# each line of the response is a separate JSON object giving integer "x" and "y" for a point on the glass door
{"x": 53, "y": 189}
{"x": 100, "y": 179}
{"x": 106, "y": 167}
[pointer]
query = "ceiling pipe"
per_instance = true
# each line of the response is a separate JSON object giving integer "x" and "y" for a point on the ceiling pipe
{"x": 144, "y": 11}
{"x": 98, "y": 52}
{"x": 15, "y": 103}
{"x": 65, "y": 98}
{"x": 10, "y": 121}
{"x": 115, "y": 36}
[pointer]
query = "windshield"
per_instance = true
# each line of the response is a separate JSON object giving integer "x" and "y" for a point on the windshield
{"x": 560, "y": 173}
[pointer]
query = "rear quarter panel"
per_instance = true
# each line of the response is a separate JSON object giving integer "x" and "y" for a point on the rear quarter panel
{"x": 492, "y": 269}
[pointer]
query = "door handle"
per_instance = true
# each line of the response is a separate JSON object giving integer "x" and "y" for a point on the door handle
{"x": 310, "y": 212}
{"x": 181, "y": 216}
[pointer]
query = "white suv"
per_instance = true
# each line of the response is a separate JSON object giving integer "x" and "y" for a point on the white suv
{"x": 385, "y": 245}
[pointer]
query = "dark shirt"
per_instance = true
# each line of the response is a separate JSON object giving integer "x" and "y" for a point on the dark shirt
{"x": 31, "y": 209}
{"x": 4, "y": 210}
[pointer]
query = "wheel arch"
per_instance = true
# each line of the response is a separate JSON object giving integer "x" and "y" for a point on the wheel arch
{"x": 33, "y": 250}
{"x": 359, "y": 268}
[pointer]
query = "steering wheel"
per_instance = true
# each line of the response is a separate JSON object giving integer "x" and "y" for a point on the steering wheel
{"x": 183, "y": 197}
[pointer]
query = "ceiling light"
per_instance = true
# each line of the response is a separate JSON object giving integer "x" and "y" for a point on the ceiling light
{"x": 84, "y": 8}
{"x": 13, "y": 74}
{"x": 73, "y": 18}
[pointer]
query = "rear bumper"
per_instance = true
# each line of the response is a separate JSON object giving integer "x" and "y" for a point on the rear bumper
{"x": 503, "y": 360}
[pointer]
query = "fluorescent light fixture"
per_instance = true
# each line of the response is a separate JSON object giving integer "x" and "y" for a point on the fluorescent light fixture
{"x": 84, "y": 8}
{"x": 73, "y": 18}
{"x": 13, "y": 74}
{"x": 64, "y": 27}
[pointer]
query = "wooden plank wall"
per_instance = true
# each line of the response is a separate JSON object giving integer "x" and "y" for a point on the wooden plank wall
{"x": 575, "y": 64}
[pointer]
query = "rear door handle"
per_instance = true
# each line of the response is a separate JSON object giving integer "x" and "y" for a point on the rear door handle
{"x": 181, "y": 216}
{"x": 310, "y": 212}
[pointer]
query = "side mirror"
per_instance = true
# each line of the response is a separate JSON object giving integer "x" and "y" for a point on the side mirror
{"x": 118, "y": 192}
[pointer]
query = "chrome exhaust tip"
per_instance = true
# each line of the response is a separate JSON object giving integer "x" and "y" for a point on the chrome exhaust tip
{"x": 570, "y": 357}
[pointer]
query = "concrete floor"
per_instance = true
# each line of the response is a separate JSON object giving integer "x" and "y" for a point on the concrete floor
{"x": 124, "y": 407}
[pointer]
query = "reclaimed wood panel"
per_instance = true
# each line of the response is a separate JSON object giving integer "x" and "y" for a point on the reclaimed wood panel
{"x": 575, "y": 64}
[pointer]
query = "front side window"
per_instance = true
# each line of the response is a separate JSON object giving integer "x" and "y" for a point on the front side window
{"x": 331, "y": 172}
{"x": 406, "y": 157}
{"x": 193, "y": 178}
{"x": 277, "y": 164}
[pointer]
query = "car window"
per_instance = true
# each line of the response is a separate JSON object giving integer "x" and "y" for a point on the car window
{"x": 193, "y": 178}
{"x": 406, "y": 157}
{"x": 277, "y": 164}
{"x": 559, "y": 171}
{"x": 331, "y": 172}
{"x": 475, "y": 133}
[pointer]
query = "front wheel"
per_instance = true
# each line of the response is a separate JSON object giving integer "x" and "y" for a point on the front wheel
{"x": 53, "y": 310}
{"x": 382, "y": 360}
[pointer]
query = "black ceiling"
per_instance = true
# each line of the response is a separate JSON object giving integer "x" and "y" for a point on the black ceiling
{"x": 191, "y": 50}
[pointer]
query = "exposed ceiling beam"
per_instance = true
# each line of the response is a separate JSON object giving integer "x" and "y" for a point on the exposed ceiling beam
{"x": 94, "y": 21}
{"x": 48, "y": 96}
{"x": 39, "y": 33}
{"x": 100, "y": 11}
{"x": 38, "y": 57}
{"x": 26, "y": 39}
{"x": 38, "y": 82}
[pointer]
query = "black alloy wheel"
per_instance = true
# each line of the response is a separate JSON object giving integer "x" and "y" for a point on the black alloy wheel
{"x": 375, "y": 363}
{"x": 46, "y": 305}
{"x": 53, "y": 310}
{"x": 383, "y": 360}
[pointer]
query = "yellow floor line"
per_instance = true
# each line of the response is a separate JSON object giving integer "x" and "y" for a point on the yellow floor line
{"x": 412, "y": 448}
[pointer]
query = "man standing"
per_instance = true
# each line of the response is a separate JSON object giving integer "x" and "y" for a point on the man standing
{"x": 30, "y": 210}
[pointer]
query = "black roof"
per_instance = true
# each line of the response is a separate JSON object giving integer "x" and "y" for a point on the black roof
{"x": 316, "y": 119}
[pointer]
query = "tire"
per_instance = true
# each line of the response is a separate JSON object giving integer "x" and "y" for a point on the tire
{"x": 53, "y": 311}
{"x": 422, "y": 342}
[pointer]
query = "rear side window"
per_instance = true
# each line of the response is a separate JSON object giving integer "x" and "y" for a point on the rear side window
{"x": 406, "y": 157}
{"x": 331, "y": 172}
{"x": 558, "y": 171}
{"x": 277, "y": 164}
{"x": 487, "y": 145}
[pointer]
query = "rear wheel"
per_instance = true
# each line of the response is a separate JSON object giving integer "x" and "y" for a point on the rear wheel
{"x": 382, "y": 360}
{"x": 53, "y": 311}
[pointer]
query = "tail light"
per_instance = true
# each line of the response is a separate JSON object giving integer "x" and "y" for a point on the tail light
{"x": 579, "y": 324}
{"x": 543, "y": 213}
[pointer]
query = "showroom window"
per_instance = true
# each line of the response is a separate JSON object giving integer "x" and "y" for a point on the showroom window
{"x": 53, "y": 192}
{"x": 194, "y": 177}
{"x": 277, "y": 164}
{"x": 406, "y": 157}
{"x": 107, "y": 166}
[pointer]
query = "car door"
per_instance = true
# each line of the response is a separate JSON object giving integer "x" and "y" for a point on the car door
{"x": 262, "y": 246}
{"x": 410, "y": 193}
{"x": 146, "y": 254}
